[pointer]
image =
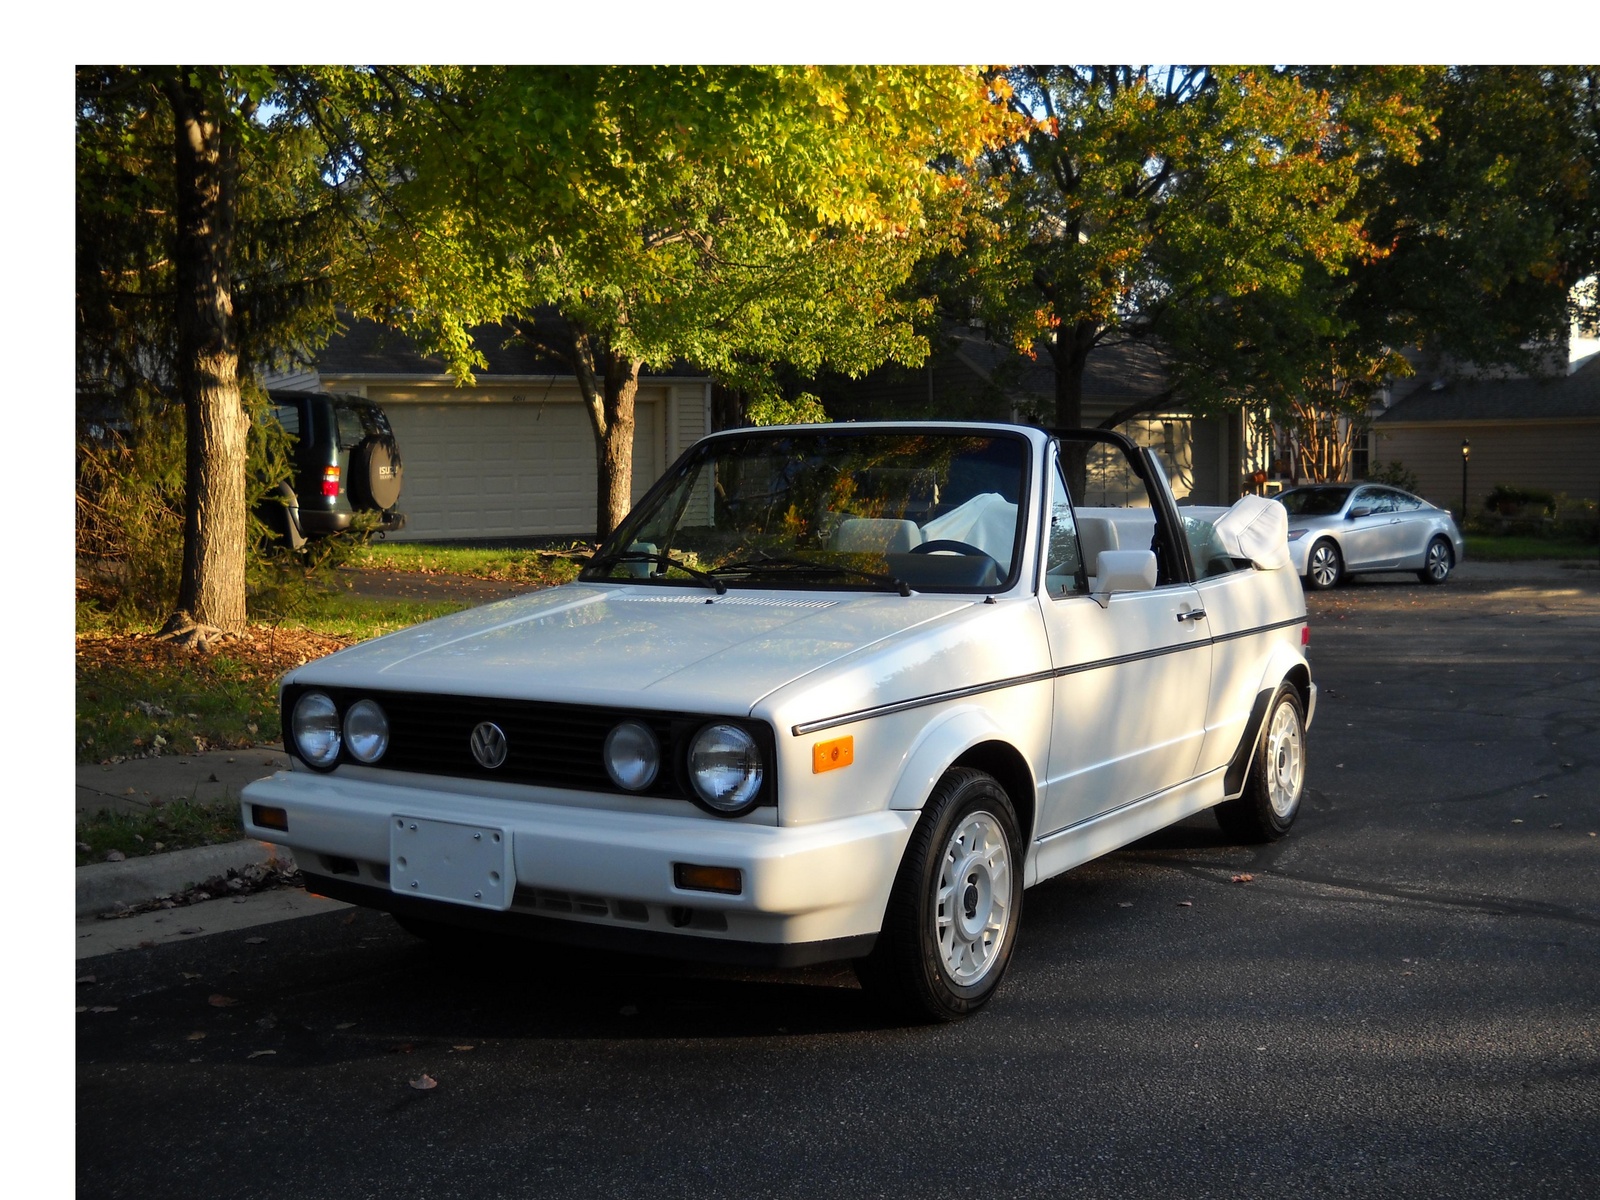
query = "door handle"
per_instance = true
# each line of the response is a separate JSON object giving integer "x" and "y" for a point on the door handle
{"x": 1194, "y": 614}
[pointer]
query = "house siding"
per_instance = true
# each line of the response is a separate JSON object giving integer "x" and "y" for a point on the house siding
{"x": 1553, "y": 456}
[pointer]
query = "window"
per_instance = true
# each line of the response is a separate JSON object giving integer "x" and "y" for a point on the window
{"x": 1064, "y": 572}
{"x": 289, "y": 417}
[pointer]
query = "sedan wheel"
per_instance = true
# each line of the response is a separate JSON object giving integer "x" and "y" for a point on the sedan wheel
{"x": 1440, "y": 560}
{"x": 1272, "y": 793}
{"x": 1324, "y": 566}
{"x": 952, "y": 917}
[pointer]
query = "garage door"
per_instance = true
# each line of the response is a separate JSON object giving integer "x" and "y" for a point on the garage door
{"x": 480, "y": 470}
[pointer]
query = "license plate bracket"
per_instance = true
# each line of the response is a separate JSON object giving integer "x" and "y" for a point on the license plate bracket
{"x": 451, "y": 861}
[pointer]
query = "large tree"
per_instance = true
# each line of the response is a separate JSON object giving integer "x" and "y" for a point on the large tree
{"x": 1136, "y": 195}
{"x": 207, "y": 244}
{"x": 731, "y": 218}
{"x": 1481, "y": 234}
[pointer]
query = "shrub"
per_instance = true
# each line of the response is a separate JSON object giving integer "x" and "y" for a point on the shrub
{"x": 1511, "y": 501}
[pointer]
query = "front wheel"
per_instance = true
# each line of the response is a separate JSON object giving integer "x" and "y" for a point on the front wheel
{"x": 1324, "y": 566}
{"x": 1271, "y": 798}
{"x": 956, "y": 905}
{"x": 1438, "y": 563}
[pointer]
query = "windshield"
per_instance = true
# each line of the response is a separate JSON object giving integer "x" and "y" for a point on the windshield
{"x": 836, "y": 507}
{"x": 1314, "y": 502}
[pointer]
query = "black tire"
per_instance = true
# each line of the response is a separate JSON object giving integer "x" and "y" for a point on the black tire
{"x": 375, "y": 475}
{"x": 1438, "y": 561}
{"x": 1324, "y": 566}
{"x": 1275, "y": 788}
{"x": 968, "y": 829}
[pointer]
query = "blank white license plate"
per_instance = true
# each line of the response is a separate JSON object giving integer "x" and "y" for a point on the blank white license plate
{"x": 441, "y": 860}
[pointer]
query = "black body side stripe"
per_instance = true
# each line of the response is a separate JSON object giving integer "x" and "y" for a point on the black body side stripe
{"x": 1240, "y": 633}
{"x": 899, "y": 706}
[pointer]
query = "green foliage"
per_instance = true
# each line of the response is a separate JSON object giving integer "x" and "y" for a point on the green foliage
{"x": 1510, "y": 501}
{"x": 736, "y": 218}
{"x": 1394, "y": 473}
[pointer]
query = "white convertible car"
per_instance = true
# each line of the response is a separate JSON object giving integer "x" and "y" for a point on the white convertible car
{"x": 830, "y": 692}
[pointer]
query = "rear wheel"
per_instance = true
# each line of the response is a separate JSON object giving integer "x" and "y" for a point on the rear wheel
{"x": 953, "y": 915}
{"x": 1439, "y": 561}
{"x": 1324, "y": 566}
{"x": 1271, "y": 798}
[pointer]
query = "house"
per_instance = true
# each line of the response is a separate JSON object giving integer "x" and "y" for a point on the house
{"x": 512, "y": 455}
{"x": 1526, "y": 432}
{"x": 968, "y": 377}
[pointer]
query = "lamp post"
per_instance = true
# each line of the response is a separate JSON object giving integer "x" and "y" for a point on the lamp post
{"x": 1466, "y": 453}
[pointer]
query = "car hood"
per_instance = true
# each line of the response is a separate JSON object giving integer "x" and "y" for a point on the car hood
{"x": 666, "y": 648}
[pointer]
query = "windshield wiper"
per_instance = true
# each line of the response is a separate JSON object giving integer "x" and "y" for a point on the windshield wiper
{"x": 800, "y": 566}
{"x": 663, "y": 559}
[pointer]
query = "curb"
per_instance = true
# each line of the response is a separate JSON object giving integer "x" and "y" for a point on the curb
{"x": 103, "y": 887}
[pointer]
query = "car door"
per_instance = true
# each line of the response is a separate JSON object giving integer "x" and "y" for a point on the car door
{"x": 1412, "y": 529}
{"x": 1132, "y": 673}
{"x": 1367, "y": 541}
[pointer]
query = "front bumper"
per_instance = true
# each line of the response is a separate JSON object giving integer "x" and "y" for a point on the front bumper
{"x": 602, "y": 876}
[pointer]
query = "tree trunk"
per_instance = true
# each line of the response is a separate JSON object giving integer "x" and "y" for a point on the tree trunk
{"x": 1069, "y": 354}
{"x": 609, "y": 383}
{"x": 211, "y": 590}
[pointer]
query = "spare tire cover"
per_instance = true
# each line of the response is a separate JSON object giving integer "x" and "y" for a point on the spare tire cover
{"x": 375, "y": 475}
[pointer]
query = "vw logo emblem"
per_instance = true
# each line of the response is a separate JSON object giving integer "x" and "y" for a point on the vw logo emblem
{"x": 489, "y": 745}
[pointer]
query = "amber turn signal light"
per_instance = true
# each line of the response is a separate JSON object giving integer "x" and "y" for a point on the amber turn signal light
{"x": 270, "y": 818}
{"x": 831, "y": 755}
{"x": 691, "y": 878}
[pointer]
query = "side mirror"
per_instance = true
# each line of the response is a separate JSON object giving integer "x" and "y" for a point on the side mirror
{"x": 1361, "y": 510}
{"x": 1123, "y": 571}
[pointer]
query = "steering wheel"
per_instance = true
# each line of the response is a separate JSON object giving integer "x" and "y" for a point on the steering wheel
{"x": 948, "y": 546}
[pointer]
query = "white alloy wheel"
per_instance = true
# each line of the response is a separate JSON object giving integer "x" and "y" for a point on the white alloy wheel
{"x": 972, "y": 908}
{"x": 1276, "y": 784}
{"x": 1286, "y": 762}
{"x": 956, "y": 906}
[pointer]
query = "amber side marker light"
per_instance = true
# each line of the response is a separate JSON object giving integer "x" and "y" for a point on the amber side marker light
{"x": 726, "y": 880}
{"x": 270, "y": 818}
{"x": 831, "y": 755}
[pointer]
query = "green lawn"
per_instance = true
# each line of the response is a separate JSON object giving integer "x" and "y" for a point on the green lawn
{"x": 540, "y": 568}
{"x": 180, "y": 825}
{"x": 1484, "y": 548}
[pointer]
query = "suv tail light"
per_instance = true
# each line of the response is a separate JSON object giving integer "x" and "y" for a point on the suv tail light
{"x": 330, "y": 481}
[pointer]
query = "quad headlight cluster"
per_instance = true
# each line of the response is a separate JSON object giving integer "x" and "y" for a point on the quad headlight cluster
{"x": 318, "y": 733}
{"x": 723, "y": 764}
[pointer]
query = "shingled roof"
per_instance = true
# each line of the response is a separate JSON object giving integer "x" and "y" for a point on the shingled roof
{"x": 1572, "y": 396}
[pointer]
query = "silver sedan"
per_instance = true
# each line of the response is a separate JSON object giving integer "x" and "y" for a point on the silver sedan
{"x": 1340, "y": 529}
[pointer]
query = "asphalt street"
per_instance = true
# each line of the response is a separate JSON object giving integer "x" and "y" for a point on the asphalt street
{"x": 1402, "y": 998}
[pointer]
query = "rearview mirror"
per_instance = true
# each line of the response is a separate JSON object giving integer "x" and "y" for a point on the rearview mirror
{"x": 1123, "y": 571}
{"x": 1361, "y": 510}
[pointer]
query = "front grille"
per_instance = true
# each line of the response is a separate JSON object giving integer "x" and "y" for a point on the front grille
{"x": 549, "y": 745}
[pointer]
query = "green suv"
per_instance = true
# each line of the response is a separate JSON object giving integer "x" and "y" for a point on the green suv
{"x": 346, "y": 460}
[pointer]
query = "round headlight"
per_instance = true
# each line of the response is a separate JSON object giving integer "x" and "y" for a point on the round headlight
{"x": 316, "y": 729}
{"x": 633, "y": 756}
{"x": 366, "y": 731}
{"x": 725, "y": 767}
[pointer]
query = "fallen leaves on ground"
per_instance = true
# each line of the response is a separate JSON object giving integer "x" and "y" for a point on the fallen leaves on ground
{"x": 1244, "y": 878}
{"x": 424, "y": 1083}
{"x": 218, "y": 1000}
